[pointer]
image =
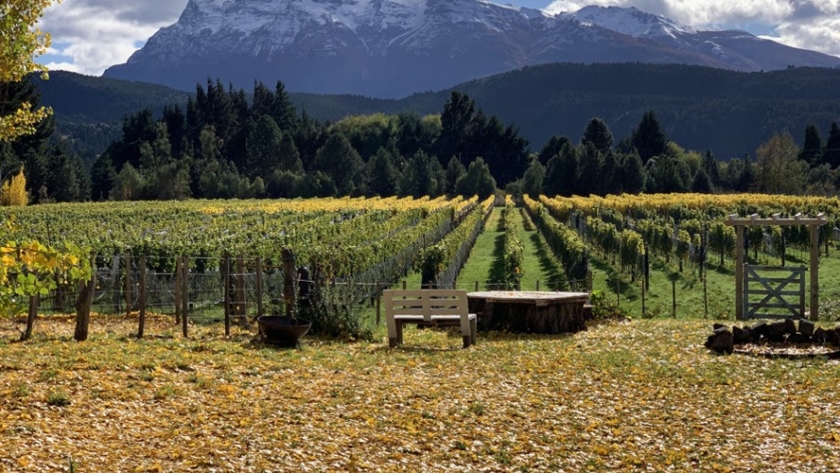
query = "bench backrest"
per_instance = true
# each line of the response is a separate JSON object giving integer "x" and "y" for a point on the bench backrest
{"x": 426, "y": 302}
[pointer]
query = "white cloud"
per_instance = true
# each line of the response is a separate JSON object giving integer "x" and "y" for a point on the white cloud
{"x": 808, "y": 24}
{"x": 91, "y": 35}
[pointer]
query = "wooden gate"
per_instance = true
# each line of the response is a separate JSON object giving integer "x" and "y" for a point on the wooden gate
{"x": 777, "y": 291}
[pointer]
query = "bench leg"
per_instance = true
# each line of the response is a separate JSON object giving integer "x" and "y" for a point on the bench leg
{"x": 473, "y": 330}
{"x": 400, "y": 332}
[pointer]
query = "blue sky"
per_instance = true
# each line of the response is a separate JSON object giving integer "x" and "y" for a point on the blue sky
{"x": 92, "y": 35}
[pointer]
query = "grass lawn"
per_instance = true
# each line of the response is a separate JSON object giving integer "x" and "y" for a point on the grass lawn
{"x": 485, "y": 263}
{"x": 639, "y": 396}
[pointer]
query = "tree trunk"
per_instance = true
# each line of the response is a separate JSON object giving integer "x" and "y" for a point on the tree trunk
{"x": 30, "y": 318}
{"x": 83, "y": 306}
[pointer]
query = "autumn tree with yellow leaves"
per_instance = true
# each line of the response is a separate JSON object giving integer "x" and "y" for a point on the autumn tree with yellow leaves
{"x": 20, "y": 43}
{"x": 13, "y": 191}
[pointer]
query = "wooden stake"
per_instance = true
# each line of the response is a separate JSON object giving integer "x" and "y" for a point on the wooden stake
{"x": 259, "y": 289}
{"x": 185, "y": 295}
{"x": 128, "y": 285}
{"x": 177, "y": 290}
{"x": 142, "y": 295}
{"x": 815, "y": 272}
{"x": 226, "y": 291}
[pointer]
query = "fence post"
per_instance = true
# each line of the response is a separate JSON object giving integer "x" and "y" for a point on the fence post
{"x": 226, "y": 292}
{"x": 177, "y": 290}
{"x": 142, "y": 295}
{"x": 644, "y": 309}
{"x": 289, "y": 275}
{"x": 259, "y": 288}
{"x": 674, "y": 298}
{"x": 589, "y": 280}
{"x": 241, "y": 305}
{"x": 378, "y": 304}
{"x": 185, "y": 294}
{"x": 538, "y": 285}
{"x": 128, "y": 285}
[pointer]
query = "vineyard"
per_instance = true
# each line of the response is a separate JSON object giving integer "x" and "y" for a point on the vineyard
{"x": 654, "y": 254}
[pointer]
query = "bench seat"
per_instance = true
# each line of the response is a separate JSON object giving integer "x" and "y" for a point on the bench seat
{"x": 428, "y": 308}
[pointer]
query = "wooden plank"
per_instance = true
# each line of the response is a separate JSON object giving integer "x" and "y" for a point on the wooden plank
{"x": 739, "y": 273}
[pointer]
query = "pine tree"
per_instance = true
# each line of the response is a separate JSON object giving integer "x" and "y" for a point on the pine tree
{"x": 812, "y": 147}
{"x": 384, "y": 177}
{"x": 832, "y": 147}
{"x": 551, "y": 148}
{"x": 711, "y": 167}
{"x": 648, "y": 137}
{"x": 561, "y": 173}
{"x": 598, "y": 134}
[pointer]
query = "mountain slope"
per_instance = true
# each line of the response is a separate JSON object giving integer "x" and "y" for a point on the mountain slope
{"x": 392, "y": 48}
{"x": 730, "y": 113}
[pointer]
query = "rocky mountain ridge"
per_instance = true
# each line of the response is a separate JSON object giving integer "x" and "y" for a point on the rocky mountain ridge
{"x": 393, "y": 48}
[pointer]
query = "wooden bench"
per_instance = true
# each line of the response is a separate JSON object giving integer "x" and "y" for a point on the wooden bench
{"x": 428, "y": 307}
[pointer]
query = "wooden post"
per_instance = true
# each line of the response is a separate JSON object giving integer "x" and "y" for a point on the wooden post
{"x": 476, "y": 286}
{"x": 241, "y": 309}
{"x": 378, "y": 304}
{"x": 226, "y": 291}
{"x": 259, "y": 288}
{"x": 177, "y": 290}
{"x": 815, "y": 272}
{"x": 83, "y": 304}
{"x": 185, "y": 294}
{"x": 403, "y": 284}
{"x": 142, "y": 295}
{"x": 674, "y": 298}
{"x": 589, "y": 281}
{"x": 617, "y": 289}
{"x": 30, "y": 317}
{"x": 739, "y": 272}
{"x": 128, "y": 285}
{"x": 289, "y": 275}
{"x": 538, "y": 285}
{"x": 644, "y": 309}
{"x": 705, "y": 296}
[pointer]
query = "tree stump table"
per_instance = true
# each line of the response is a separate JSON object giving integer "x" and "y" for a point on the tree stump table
{"x": 529, "y": 311}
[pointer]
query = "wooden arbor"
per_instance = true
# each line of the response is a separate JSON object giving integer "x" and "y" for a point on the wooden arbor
{"x": 814, "y": 224}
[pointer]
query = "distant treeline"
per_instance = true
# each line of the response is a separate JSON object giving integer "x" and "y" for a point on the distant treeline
{"x": 224, "y": 144}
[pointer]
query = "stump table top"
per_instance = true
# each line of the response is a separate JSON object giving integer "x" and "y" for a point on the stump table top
{"x": 530, "y": 297}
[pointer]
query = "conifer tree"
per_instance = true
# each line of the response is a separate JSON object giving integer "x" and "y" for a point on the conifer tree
{"x": 598, "y": 134}
{"x": 648, "y": 137}
{"x": 832, "y": 147}
{"x": 812, "y": 147}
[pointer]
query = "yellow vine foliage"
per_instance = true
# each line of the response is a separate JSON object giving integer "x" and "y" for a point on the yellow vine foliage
{"x": 13, "y": 191}
{"x": 20, "y": 43}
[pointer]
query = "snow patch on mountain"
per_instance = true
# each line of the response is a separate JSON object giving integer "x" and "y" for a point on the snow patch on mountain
{"x": 631, "y": 22}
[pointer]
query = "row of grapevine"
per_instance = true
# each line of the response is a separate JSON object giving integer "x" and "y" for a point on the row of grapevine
{"x": 564, "y": 242}
{"x": 513, "y": 248}
{"x": 440, "y": 263}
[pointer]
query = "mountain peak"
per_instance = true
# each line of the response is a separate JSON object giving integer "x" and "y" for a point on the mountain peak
{"x": 631, "y": 21}
{"x": 393, "y": 48}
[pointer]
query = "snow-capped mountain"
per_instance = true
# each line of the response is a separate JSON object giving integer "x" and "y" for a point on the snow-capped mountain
{"x": 391, "y": 48}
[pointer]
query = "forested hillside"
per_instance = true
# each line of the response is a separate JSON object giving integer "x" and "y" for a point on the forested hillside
{"x": 729, "y": 113}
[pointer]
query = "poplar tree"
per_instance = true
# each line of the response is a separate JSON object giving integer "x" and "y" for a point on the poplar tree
{"x": 20, "y": 43}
